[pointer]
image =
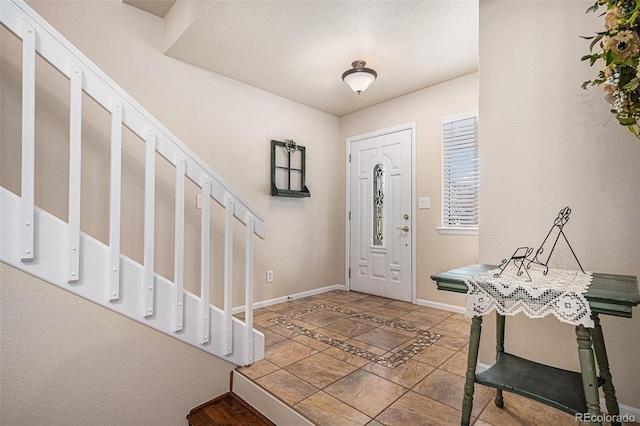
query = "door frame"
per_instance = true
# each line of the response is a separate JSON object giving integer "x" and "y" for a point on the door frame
{"x": 406, "y": 126}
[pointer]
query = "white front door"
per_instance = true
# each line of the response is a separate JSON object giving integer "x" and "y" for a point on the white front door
{"x": 380, "y": 203}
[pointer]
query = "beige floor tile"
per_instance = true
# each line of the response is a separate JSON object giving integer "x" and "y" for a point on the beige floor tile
{"x": 448, "y": 388}
{"x": 303, "y": 324}
{"x": 414, "y": 409}
{"x": 309, "y": 341}
{"x": 271, "y": 337}
{"x": 285, "y": 307}
{"x": 263, "y": 320}
{"x": 333, "y": 335}
{"x": 286, "y": 386}
{"x": 481, "y": 423}
{"x": 258, "y": 369}
{"x": 520, "y": 411}
{"x": 456, "y": 326}
{"x": 325, "y": 410}
{"x": 320, "y": 369}
{"x": 322, "y": 318}
{"x": 374, "y": 423}
{"x": 349, "y": 328}
{"x": 457, "y": 364}
{"x": 434, "y": 355}
{"x": 283, "y": 331}
{"x": 383, "y": 339}
{"x": 398, "y": 330}
{"x": 402, "y": 346}
{"x": 422, "y": 320}
{"x": 287, "y": 352}
{"x": 461, "y": 317}
{"x": 367, "y": 347}
{"x": 403, "y": 305}
{"x": 365, "y": 391}
{"x": 346, "y": 357}
{"x": 435, "y": 311}
{"x": 449, "y": 339}
{"x": 386, "y": 312}
{"x": 362, "y": 304}
{"x": 406, "y": 374}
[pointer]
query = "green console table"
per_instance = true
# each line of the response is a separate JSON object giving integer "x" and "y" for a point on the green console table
{"x": 566, "y": 390}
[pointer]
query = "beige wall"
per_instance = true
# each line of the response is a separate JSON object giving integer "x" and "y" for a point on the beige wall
{"x": 435, "y": 253}
{"x": 68, "y": 361}
{"x": 547, "y": 144}
{"x": 69, "y": 358}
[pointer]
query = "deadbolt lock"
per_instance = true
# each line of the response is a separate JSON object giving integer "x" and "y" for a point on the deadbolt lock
{"x": 406, "y": 216}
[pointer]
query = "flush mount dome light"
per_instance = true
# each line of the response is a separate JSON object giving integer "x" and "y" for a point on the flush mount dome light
{"x": 359, "y": 77}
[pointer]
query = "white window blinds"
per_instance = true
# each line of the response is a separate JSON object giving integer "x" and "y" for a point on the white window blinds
{"x": 460, "y": 172}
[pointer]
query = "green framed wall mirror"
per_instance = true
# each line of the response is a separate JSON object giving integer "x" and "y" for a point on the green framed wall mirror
{"x": 288, "y": 169}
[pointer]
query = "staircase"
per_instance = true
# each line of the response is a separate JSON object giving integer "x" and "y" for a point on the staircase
{"x": 56, "y": 251}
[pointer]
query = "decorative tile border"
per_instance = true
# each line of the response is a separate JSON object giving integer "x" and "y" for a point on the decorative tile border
{"x": 424, "y": 338}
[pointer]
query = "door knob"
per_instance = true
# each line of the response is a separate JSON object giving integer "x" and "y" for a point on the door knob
{"x": 405, "y": 229}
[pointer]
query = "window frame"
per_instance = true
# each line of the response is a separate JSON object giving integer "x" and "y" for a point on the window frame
{"x": 444, "y": 228}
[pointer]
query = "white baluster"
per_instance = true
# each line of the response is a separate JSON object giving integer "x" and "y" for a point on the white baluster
{"x": 248, "y": 303}
{"x": 178, "y": 274}
{"x": 205, "y": 251}
{"x": 28, "y": 141}
{"x": 75, "y": 173}
{"x": 228, "y": 278}
{"x": 149, "y": 220}
{"x": 114, "y": 199}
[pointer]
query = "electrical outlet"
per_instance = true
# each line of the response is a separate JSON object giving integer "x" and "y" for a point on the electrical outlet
{"x": 269, "y": 276}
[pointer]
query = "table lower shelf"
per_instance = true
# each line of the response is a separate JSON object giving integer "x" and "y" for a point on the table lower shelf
{"x": 552, "y": 386}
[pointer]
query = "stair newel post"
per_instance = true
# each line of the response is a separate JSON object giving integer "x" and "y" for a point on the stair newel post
{"x": 149, "y": 220}
{"x": 115, "y": 188}
{"x": 178, "y": 271}
{"x": 205, "y": 255}
{"x": 75, "y": 172}
{"x": 28, "y": 142}
{"x": 228, "y": 277}
{"x": 248, "y": 318}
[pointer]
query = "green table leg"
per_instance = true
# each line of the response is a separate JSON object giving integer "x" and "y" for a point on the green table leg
{"x": 472, "y": 361}
{"x": 588, "y": 369}
{"x": 603, "y": 366}
{"x": 499, "y": 349}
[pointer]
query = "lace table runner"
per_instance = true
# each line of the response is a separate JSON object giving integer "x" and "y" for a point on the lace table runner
{"x": 560, "y": 292}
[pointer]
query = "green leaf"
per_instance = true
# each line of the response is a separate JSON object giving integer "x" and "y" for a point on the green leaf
{"x": 594, "y": 7}
{"x": 608, "y": 57}
{"x": 593, "y": 43}
{"x": 631, "y": 85}
{"x": 586, "y": 38}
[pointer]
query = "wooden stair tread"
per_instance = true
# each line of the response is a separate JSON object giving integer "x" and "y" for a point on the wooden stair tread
{"x": 227, "y": 410}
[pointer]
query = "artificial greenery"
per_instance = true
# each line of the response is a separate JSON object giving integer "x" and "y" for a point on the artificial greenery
{"x": 619, "y": 48}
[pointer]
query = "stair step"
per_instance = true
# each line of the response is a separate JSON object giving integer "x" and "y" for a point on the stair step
{"x": 228, "y": 409}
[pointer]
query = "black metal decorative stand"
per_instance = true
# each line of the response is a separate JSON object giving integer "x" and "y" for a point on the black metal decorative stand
{"x": 559, "y": 222}
{"x": 519, "y": 256}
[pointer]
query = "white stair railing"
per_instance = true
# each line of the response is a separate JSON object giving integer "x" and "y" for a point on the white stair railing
{"x": 58, "y": 252}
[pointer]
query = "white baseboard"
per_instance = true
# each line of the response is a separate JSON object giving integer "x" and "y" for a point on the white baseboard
{"x": 267, "y": 404}
{"x": 270, "y": 302}
{"x": 441, "y": 306}
{"x": 625, "y": 410}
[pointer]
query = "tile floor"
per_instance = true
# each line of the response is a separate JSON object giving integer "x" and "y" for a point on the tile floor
{"x": 347, "y": 358}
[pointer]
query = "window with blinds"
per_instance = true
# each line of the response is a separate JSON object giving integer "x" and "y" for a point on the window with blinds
{"x": 460, "y": 172}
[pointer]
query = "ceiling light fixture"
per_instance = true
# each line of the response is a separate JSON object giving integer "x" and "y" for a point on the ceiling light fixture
{"x": 359, "y": 77}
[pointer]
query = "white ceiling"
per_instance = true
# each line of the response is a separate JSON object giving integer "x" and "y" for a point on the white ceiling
{"x": 299, "y": 49}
